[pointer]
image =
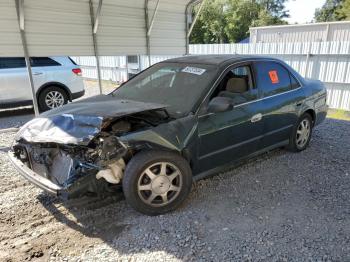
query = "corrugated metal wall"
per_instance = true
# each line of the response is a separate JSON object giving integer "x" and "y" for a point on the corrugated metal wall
{"x": 328, "y": 62}
{"x": 114, "y": 68}
{"x": 322, "y": 32}
{"x": 10, "y": 39}
{"x": 57, "y": 28}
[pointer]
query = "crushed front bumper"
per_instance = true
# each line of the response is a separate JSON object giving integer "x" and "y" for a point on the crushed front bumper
{"x": 75, "y": 190}
{"x": 33, "y": 177}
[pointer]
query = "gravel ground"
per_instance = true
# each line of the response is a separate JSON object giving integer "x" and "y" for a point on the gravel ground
{"x": 280, "y": 206}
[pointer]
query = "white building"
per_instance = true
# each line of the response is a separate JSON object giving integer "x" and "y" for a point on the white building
{"x": 316, "y": 32}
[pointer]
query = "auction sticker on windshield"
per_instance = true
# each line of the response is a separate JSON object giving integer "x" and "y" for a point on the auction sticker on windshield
{"x": 193, "y": 70}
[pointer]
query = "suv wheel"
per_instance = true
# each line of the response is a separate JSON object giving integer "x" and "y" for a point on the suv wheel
{"x": 52, "y": 97}
{"x": 156, "y": 182}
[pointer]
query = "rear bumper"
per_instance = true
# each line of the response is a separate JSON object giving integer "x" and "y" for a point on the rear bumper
{"x": 321, "y": 114}
{"x": 33, "y": 177}
{"x": 78, "y": 94}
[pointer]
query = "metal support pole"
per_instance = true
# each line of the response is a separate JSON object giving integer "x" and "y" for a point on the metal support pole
{"x": 94, "y": 27}
{"x": 152, "y": 20}
{"x": 20, "y": 18}
{"x": 188, "y": 12}
{"x": 195, "y": 18}
{"x": 148, "y": 43}
{"x": 149, "y": 26}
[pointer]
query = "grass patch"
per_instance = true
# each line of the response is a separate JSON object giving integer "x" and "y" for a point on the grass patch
{"x": 338, "y": 114}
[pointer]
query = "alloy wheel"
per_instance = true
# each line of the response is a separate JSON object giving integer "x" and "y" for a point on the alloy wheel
{"x": 159, "y": 184}
{"x": 303, "y": 133}
{"x": 54, "y": 99}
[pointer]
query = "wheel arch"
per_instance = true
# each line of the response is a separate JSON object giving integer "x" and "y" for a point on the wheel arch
{"x": 312, "y": 113}
{"x": 146, "y": 145}
{"x": 57, "y": 84}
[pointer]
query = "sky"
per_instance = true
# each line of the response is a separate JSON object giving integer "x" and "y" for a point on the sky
{"x": 302, "y": 11}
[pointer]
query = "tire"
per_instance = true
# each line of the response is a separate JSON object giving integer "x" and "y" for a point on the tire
{"x": 295, "y": 144}
{"x": 145, "y": 183}
{"x": 58, "y": 97}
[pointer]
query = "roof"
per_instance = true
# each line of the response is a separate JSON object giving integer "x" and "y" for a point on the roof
{"x": 64, "y": 27}
{"x": 214, "y": 59}
{"x": 300, "y": 25}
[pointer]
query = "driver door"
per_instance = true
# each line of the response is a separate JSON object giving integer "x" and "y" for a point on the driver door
{"x": 227, "y": 136}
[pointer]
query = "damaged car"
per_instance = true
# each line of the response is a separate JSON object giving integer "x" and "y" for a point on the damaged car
{"x": 178, "y": 121}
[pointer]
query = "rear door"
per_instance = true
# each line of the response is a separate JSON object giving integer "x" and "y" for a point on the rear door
{"x": 282, "y": 98}
{"x": 14, "y": 82}
{"x": 45, "y": 70}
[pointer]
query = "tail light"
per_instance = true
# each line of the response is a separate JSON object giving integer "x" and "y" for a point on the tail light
{"x": 77, "y": 71}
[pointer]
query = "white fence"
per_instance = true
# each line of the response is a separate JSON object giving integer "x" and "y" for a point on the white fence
{"x": 326, "y": 61}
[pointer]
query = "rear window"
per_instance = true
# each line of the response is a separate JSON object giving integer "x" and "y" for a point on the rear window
{"x": 12, "y": 62}
{"x": 43, "y": 61}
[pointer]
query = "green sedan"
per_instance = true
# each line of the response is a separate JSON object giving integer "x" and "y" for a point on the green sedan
{"x": 178, "y": 121}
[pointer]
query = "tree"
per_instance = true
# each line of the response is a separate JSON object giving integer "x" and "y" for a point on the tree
{"x": 343, "y": 13}
{"x": 223, "y": 21}
{"x": 275, "y": 8}
{"x": 327, "y": 12}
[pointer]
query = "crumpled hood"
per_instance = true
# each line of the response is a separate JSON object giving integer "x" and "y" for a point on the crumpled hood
{"x": 79, "y": 122}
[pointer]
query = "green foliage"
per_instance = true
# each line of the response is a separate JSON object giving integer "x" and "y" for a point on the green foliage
{"x": 224, "y": 21}
{"x": 333, "y": 10}
{"x": 343, "y": 13}
{"x": 328, "y": 11}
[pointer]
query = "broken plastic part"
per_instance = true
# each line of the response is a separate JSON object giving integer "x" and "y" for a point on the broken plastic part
{"x": 114, "y": 173}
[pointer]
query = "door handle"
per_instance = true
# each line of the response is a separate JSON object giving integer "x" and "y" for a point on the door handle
{"x": 37, "y": 73}
{"x": 256, "y": 118}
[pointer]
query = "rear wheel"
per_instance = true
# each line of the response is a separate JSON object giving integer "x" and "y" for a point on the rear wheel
{"x": 52, "y": 97}
{"x": 156, "y": 182}
{"x": 301, "y": 135}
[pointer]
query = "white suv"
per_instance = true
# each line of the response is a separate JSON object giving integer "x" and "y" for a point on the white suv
{"x": 57, "y": 80}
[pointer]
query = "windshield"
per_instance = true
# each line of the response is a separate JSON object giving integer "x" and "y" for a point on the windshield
{"x": 177, "y": 85}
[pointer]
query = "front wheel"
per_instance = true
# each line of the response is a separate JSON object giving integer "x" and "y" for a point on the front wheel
{"x": 156, "y": 182}
{"x": 301, "y": 134}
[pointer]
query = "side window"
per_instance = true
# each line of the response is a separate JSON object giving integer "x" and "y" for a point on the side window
{"x": 272, "y": 78}
{"x": 293, "y": 82}
{"x": 237, "y": 84}
{"x": 12, "y": 62}
{"x": 43, "y": 61}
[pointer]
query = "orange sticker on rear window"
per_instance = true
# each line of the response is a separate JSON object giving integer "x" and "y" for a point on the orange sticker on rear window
{"x": 273, "y": 77}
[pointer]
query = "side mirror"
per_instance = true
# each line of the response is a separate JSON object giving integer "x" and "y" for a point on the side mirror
{"x": 220, "y": 104}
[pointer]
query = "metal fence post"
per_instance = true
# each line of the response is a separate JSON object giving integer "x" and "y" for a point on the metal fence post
{"x": 308, "y": 55}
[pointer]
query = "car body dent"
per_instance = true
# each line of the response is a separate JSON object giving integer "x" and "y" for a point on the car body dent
{"x": 75, "y": 124}
{"x": 174, "y": 135}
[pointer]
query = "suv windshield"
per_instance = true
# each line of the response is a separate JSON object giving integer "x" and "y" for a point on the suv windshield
{"x": 177, "y": 85}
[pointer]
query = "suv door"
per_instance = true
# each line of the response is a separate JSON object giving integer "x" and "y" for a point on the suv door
{"x": 282, "y": 98}
{"x": 227, "y": 136}
{"x": 14, "y": 80}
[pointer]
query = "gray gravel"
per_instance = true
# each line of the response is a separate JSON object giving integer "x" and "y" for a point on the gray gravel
{"x": 280, "y": 206}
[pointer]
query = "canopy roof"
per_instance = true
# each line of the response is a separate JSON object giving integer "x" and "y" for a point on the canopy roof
{"x": 64, "y": 27}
